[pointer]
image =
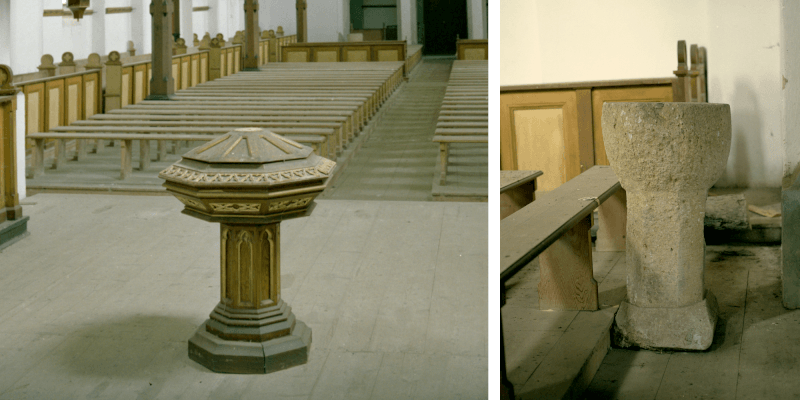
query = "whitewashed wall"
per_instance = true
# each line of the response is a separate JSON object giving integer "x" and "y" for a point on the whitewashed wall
{"x": 547, "y": 41}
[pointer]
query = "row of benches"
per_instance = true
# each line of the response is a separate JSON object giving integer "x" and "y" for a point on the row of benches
{"x": 323, "y": 105}
{"x": 555, "y": 228}
{"x": 464, "y": 116}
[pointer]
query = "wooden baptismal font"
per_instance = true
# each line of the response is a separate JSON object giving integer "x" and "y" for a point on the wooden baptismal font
{"x": 249, "y": 180}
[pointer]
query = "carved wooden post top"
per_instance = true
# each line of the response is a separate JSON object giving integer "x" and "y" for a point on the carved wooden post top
{"x": 215, "y": 43}
{"x": 301, "y": 4}
{"x": 113, "y": 58}
{"x": 6, "y": 77}
{"x": 47, "y": 63}
{"x": 279, "y": 32}
{"x": 221, "y": 39}
{"x": 67, "y": 60}
{"x": 93, "y": 61}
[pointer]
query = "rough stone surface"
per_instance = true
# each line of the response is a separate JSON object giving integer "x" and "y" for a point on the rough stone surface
{"x": 727, "y": 212}
{"x": 790, "y": 246}
{"x": 667, "y": 156}
{"x": 685, "y": 328}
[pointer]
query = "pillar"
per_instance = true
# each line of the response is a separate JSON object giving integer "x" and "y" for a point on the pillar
{"x": 250, "y": 53}
{"x": 176, "y": 19}
{"x": 667, "y": 156}
{"x": 302, "y": 22}
{"x": 162, "y": 85}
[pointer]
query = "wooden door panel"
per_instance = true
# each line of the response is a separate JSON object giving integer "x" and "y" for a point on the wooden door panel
{"x": 539, "y": 131}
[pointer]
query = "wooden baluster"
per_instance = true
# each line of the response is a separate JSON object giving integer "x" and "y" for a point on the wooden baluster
{"x": 694, "y": 75}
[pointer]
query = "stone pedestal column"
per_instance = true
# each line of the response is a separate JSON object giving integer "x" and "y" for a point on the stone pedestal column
{"x": 250, "y": 53}
{"x": 162, "y": 85}
{"x": 302, "y": 25}
{"x": 667, "y": 156}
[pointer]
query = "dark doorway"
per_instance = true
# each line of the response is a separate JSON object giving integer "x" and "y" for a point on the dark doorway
{"x": 444, "y": 19}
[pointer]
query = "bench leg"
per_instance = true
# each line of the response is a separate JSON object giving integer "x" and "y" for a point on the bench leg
{"x": 162, "y": 150}
{"x": 126, "y": 158}
{"x": 144, "y": 154}
{"x": 444, "y": 154}
{"x": 97, "y": 145}
{"x": 566, "y": 281}
{"x": 61, "y": 153}
{"x": 37, "y": 161}
{"x": 80, "y": 147}
{"x": 612, "y": 219}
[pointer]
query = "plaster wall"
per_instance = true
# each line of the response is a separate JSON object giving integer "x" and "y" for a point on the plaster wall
{"x": 5, "y": 32}
{"x": 283, "y": 13}
{"x": 200, "y": 19}
{"x": 790, "y": 77}
{"x": 26, "y": 36}
{"x": 118, "y": 27}
{"x": 548, "y": 41}
{"x": 326, "y": 20}
{"x": 187, "y": 21}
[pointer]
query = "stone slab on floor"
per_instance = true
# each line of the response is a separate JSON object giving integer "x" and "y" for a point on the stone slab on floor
{"x": 100, "y": 300}
{"x": 554, "y": 354}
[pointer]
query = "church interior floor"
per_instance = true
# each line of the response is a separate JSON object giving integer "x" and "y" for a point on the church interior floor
{"x": 100, "y": 299}
{"x": 755, "y": 349}
{"x": 398, "y": 160}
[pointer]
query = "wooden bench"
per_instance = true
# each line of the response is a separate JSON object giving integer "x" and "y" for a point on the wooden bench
{"x": 517, "y": 190}
{"x": 444, "y": 149}
{"x": 332, "y": 141}
{"x": 37, "y": 162}
{"x": 555, "y": 228}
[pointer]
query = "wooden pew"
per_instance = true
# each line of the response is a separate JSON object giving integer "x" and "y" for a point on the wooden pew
{"x": 517, "y": 190}
{"x": 555, "y": 228}
{"x": 463, "y": 116}
{"x": 37, "y": 164}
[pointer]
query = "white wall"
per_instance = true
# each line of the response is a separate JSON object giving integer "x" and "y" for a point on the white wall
{"x": 547, "y": 41}
{"x": 476, "y": 19}
{"x": 26, "y": 36}
{"x": 118, "y": 27}
{"x": 790, "y": 71}
{"x": 5, "y": 32}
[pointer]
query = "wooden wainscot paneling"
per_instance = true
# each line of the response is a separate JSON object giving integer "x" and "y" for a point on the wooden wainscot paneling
{"x": 472, "y": 49}
{"x": 185, "y": 71}
{"x": 176, "y": 72}
{"x": 92, "y": 94}
{"x": 237, "y": 57}
{"x": 73, "y": 106}
{"x": 54, "y": 97}
{"x": 356, "y": 53}
{"x": 140, "y": 83}
{"x": 204, "y": 67}
{"x": 300, "y": 54}
{"x": 392, "y": 52}
{"x": 327, "y": 54}
{"x": 541, "y": 133}
{"x": 127, "y": 86}
{"x": 34, "y": 110}
{"x": 230, "y": 65}
{"x": 195, "y": 70}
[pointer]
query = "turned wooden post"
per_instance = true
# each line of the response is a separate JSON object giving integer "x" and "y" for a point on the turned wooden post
{"x": 250, "y": 53}
{"x": 10, "y": 210}
{"x": 162, "y": 84}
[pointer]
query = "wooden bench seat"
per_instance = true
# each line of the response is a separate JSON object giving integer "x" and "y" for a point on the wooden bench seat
{"x": 37, "y": 162}
{"x": 462, "y": 131}
{"x": 444, "y": 149}
{"x": 517, "y": 190}
{"x": 462, "y": 124}
{"x": 333, "y": 140}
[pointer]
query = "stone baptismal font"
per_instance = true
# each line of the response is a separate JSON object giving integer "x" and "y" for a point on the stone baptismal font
{"x": 249, "y": 180}
{"x": 666, "y": 156}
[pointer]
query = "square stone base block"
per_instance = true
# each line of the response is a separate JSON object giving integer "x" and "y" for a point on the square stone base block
{"x": 680, "y": 328}
{"x": 240, "y": 357}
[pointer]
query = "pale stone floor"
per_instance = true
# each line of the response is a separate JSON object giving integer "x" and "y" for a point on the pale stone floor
{"x": 100, "y": 299}
{"x": 755, "y": 352}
